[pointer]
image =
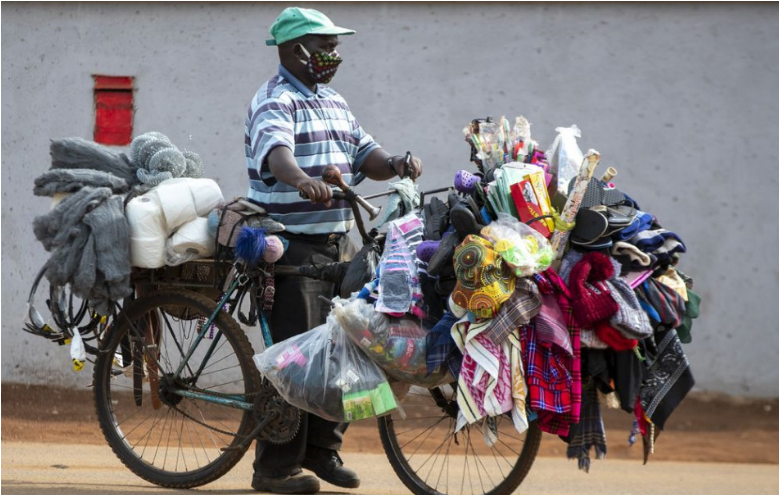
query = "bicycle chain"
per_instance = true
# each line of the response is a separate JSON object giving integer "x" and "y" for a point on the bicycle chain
{"x": 210, "y": 427}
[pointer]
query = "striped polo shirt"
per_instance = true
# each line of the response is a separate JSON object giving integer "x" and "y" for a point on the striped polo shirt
{"x": 320, "y": 130}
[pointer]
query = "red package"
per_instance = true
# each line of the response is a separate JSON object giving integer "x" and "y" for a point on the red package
{"x": 527, "y": 206}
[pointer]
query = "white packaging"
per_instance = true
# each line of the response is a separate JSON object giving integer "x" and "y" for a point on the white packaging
{"x": 192, "y": 241}
{"x": 184, "y": 199}
{"x": 206, "y": 195}
{"x": 147, "y": 232}
{"x": 176, "y": 202}
{"x": 148, "y": 253}
{"x": 145, "y": 218}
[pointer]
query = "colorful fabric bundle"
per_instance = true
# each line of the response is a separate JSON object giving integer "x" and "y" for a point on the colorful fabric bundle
{"x": 484, "y": 282}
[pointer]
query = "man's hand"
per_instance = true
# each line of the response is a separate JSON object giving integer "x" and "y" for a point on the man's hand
{"x": 316, "y": 190}
{"x": 415, "y": 168}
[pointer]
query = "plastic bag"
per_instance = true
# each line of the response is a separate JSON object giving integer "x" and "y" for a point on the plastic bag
{"x": 323, "y": 372}
{"x": 397, "y": 344}
{"x": 398, "y": 282}
{"x": 565, "y": 157}
{"x": 523, "y": 249}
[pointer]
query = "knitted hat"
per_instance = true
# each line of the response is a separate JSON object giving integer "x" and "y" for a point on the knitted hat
{"x": 636, "y": 257}
{"x": 570, "y": 259}
{"x": 630, "y": 320}
{"x": 660, "y": 242}
{"x": 589, "y": 339}
{"x": 484, "y": 282}
{"x": 590, "y": 297}
{"x": 613, "y": 337}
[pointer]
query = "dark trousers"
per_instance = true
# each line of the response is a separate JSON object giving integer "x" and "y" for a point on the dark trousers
{"x": 296, "y": 310}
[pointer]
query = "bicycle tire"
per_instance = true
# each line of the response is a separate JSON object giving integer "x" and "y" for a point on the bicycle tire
{"x": 111, "y": 403}
{"x": 416, "y": 481}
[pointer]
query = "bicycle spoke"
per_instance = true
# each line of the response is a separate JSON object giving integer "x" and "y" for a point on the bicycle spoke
{"x": 166, "y": 417}
{"x": 422, "y": 434}
{"x": 219, "y": 370}
{"x": 218, "y": 361}
{"x": 478, "y": 462}
{"x": 445, "y": 463}
{"x": 507, "y": 446}
{"x": 436, "y": 453}
{"x": 181, "y": 351}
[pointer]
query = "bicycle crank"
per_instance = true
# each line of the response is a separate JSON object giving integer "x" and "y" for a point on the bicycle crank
{"x": 281, "y": 420}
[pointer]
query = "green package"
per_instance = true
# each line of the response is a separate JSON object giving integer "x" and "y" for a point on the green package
{"x": 383, "y": 399}
{"x": 357, "y": 406}
{"x": 367, "y": 404}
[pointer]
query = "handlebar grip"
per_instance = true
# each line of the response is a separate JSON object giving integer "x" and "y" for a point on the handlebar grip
{"x": 336, "y": 195}
{"x": 406, "y": 164}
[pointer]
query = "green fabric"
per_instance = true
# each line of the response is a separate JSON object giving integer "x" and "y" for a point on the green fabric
{"x": 295, "y": 22}
{"x": 692, "y": 310}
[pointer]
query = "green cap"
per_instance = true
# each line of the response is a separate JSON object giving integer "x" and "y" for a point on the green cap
{"x": 295, "y": 22}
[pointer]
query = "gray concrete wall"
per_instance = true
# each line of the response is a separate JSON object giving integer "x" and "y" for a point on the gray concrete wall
{"x": 681, "y": 98}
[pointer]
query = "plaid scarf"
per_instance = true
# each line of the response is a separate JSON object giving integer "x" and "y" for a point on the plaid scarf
{"x": 589, "y": 432}
{"x": 440, "y": 346}
{"x": 518, "y": 310}
{"x": 549, "y": 282}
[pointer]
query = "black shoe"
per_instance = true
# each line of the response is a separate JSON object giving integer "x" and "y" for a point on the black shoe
{"x": 464, "y": 221}
{"x": 442, "y": 258}
{"x": 298, "y": 483}
{"x": 328, "y": 466}
{"x": 436, "y": 219}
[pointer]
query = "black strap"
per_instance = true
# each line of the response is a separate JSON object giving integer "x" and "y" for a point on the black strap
{"x": 252, "y": 317}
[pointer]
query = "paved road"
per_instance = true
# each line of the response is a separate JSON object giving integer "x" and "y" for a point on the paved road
{"x": 34, "y": 468}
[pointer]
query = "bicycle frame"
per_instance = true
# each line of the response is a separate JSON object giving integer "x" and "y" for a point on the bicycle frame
{"x": 240, "y": 280}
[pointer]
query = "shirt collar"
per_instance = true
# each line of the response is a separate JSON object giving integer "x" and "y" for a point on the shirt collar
{"x": 286, "y": 74}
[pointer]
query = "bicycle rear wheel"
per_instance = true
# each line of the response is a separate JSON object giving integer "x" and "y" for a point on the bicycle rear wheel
{"x": 163, "y": 437}
{"x": 429, "y": 458}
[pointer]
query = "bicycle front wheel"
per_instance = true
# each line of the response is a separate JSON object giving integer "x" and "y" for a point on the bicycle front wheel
{"x": 165, "y": 437}
{"x": 430, "y": 458}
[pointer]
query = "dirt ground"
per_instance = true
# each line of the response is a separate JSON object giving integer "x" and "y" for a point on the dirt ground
{"x": 705, "y": 428}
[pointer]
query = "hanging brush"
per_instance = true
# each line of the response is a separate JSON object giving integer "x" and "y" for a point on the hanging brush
{"x": 251, "y": 243}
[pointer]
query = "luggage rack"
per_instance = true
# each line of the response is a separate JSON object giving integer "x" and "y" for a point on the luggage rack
{"x": 206, "y": 276}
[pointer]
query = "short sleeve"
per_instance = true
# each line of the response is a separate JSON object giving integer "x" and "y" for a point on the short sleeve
{"x": 270, "y": 124}
{"x": 365, "y": 144}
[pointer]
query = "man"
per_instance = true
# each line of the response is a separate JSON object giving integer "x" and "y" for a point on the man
{"x": 295, "y": 127}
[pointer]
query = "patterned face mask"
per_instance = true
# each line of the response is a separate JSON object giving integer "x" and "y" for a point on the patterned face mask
{"x": 322, "y": 66}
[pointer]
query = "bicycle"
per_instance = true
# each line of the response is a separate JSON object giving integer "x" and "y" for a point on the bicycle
{"x": 205, "y": 402}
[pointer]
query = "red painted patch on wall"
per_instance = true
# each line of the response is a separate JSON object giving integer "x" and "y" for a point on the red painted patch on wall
{"x": 113, "y": 110}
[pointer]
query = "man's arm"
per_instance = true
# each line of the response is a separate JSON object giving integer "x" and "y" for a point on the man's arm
{"x": 378, "y": 168}
{"x": 283, "y": 166}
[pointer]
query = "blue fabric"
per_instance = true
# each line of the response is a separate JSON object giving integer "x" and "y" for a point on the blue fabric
{"x": 641, "y": 222}
{"x": 652, "y": 312}
{"x": 439, "y": 342}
